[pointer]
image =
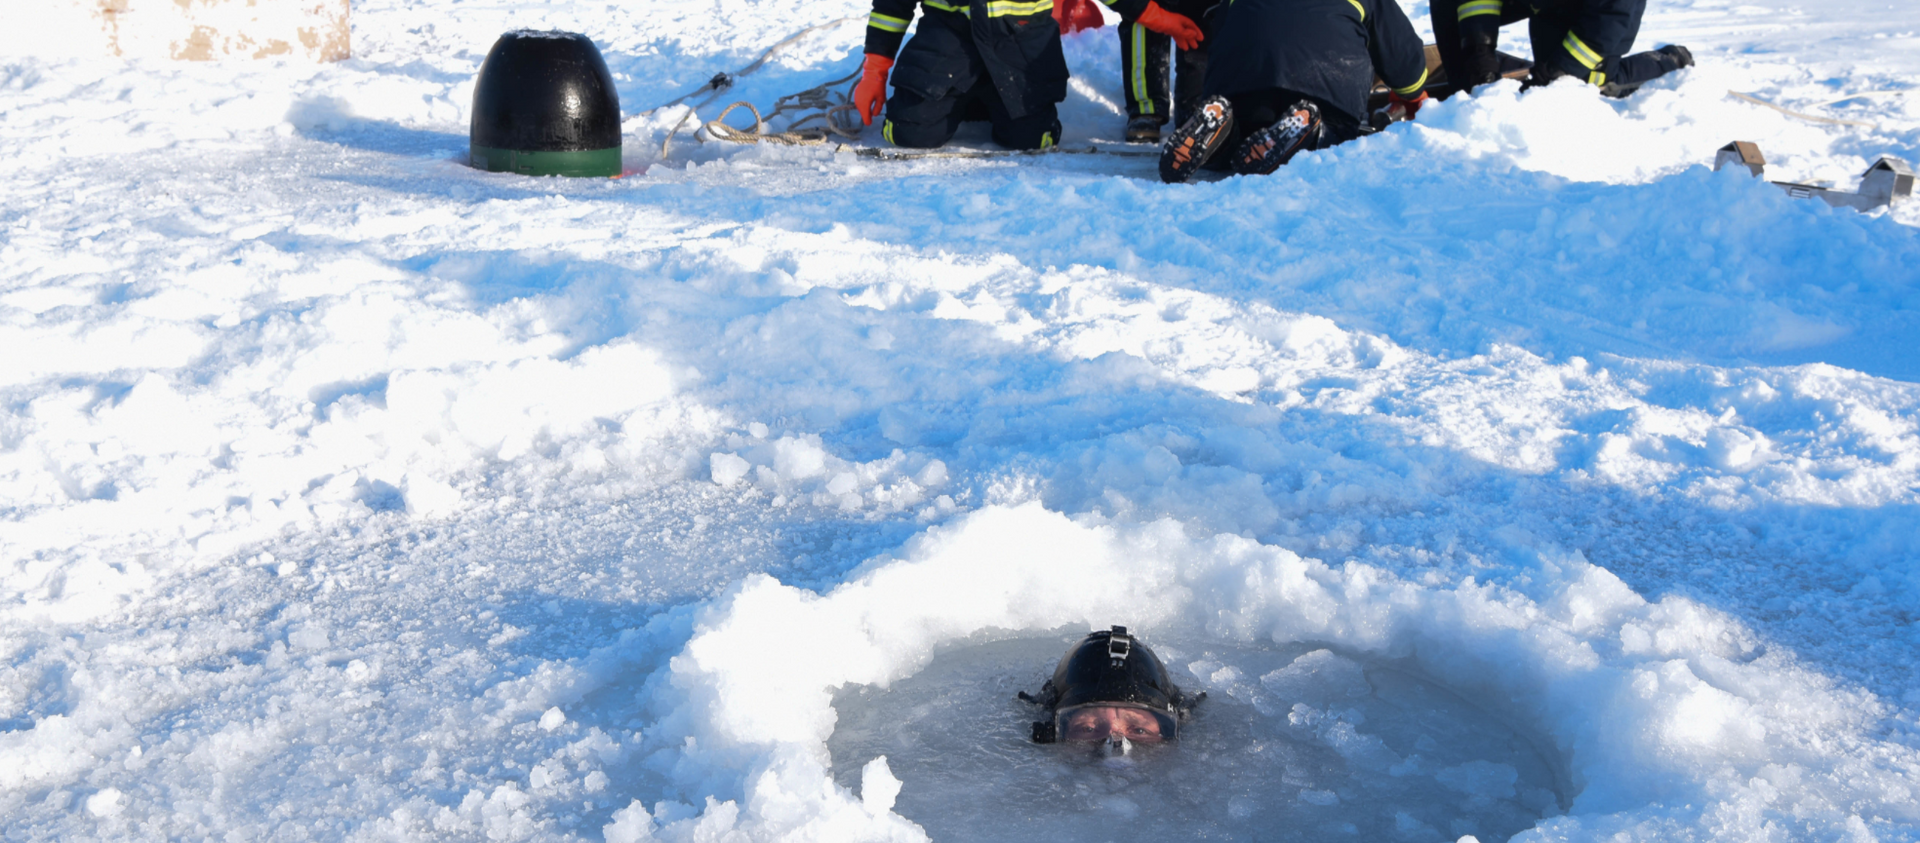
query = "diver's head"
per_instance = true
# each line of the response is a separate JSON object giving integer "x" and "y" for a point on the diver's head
{"x": 1111, "y": 723}
{"x": 1111, "y": 687}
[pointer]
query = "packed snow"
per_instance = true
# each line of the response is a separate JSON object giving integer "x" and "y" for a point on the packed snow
{"x": 1505, "y": 475}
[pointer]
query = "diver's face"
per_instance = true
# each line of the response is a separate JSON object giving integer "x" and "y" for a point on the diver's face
{"x": 1100, "y": 723}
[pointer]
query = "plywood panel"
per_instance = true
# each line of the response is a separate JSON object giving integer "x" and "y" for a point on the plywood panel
{"x": 187, "y": 30}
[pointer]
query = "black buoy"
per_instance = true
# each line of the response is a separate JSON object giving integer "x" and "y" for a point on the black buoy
{"x": 544, "y": 105}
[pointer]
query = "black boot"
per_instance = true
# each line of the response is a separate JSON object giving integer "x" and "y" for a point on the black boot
{"x": 1144, "y": 129}
{"x": 1272, "y": 147}
{"x": 1646, "y": 67}
{"x": 1677, "y": 56}
{"x": 1196, "y": 140}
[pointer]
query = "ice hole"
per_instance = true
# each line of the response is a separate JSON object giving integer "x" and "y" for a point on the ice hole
{"x": 1294, "y": 742}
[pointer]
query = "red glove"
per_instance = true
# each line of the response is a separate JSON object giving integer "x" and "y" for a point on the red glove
{"x": 1075, "y": 15}
{"x": 1179, "y": 27}
{"x": 870, "y": 95}
{"x": 1401, "y": 108}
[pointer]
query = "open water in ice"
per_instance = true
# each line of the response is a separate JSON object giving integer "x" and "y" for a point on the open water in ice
{"x": 1293, "y": 742}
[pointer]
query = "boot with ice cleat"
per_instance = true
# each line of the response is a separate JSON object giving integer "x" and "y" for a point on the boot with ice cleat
{"x": 1268, "y": 149}
{"x": 1196, "y": 140}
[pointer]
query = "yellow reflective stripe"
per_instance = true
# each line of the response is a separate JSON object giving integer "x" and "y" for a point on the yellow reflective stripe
{"x": 1596, "y": 78}
{"x": 1140, "y": 95}
{"x": 1478, "y": 8}
{"x": 886, "y": 130}
{"x": 1410, "y": 89}
{"x": 1358, "y": 8}
{"x": 886, "y": 23}
{"x": 1046, "y": 140}
{"x": 1001, "y": 8}
{"x": 1581, "y": 52}
{"x": 1012, "y": 8}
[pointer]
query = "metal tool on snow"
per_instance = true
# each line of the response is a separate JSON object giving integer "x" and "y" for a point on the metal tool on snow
{"x": 1888, "y": 182}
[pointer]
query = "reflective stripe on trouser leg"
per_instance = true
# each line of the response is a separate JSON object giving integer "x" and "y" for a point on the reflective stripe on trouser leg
{"x": 1588, "y": 57}
{"x": 1145, "y": 57}
{"x": 1142, "y": 98}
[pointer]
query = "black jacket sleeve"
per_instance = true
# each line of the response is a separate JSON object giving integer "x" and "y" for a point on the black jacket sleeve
{"x": 1399, "y": 56}
{"x": 887, "y": 25}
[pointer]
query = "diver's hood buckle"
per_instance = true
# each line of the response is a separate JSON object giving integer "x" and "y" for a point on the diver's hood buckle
{"x": 1044, "y": 731}
{"x": 1119, "y": 646}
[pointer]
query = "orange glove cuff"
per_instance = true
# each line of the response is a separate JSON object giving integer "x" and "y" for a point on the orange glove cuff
{"x": 870, "y": 94}
{"x": 1408, "y": 105}
{"x": 1181, "y": 28}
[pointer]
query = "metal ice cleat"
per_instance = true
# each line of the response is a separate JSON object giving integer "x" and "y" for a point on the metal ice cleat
{"x": 1888, "y": 182}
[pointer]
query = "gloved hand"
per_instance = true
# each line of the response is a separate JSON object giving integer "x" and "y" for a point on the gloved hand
{"x": 1075, "y": 15}
{"x": 870, "y": 95}
{"x": 1479, "y": 39}
{"x": 1398, "y": 108}
{"x": 1543, "y": 74}
{"x": 1180, "y": 28}
{"x": 1402, "y": 108}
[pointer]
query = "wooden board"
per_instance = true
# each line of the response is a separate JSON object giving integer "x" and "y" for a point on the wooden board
{"x": 185, "y": 30}
{"x": 1511, "y": 67}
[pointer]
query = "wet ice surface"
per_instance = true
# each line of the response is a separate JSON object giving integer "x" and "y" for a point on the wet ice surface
{"x": 1293, "y": 742}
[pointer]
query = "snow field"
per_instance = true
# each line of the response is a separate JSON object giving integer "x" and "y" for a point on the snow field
{"x": 346, "y": 492}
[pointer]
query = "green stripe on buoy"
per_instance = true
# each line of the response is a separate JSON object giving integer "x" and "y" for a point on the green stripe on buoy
{"x": 584, "y": 163}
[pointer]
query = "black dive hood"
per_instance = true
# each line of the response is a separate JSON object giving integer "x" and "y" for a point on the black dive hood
{"x": 1111, "y": 668}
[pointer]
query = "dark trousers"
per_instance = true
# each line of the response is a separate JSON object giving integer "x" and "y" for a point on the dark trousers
{"x": 1551, "y": 60}
{"x": 922, "y": 122}
{"x": 1146, "y": 57}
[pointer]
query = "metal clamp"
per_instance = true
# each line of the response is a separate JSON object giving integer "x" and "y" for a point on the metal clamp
{"x": 1889, "y": 181}
{"x": 1119, "y": 645}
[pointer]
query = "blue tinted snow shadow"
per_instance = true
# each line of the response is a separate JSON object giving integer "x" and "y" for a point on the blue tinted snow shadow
{"x": 1110, "y": 435}
{"x": 1440, "y": 253}
{"x": 328, "y": 121}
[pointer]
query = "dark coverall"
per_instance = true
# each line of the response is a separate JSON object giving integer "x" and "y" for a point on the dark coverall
{"x": 1270, "y": 54}
{"x": 1145, "y": 57}
{"x": 1587, "y": 39}
{"x": 999, "y": 59}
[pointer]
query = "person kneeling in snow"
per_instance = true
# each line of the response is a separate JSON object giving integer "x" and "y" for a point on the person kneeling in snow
{"x": 1147, "y": 60}
{"x": 994, "y": 59}
{"x": 1111, "y": 690}
{"x": 1291, "y": 75}
{"x": 1586, "y": 39}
